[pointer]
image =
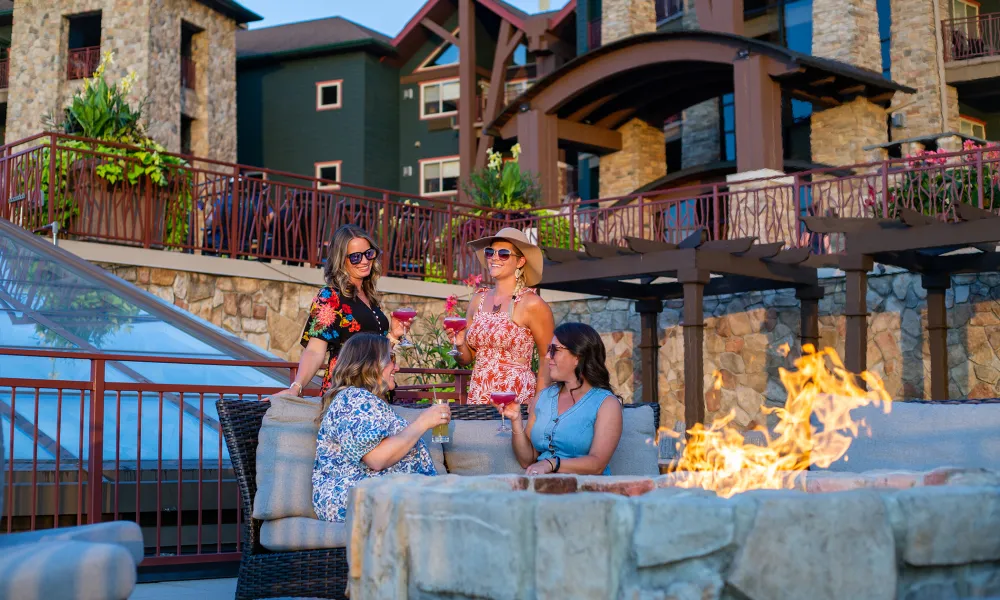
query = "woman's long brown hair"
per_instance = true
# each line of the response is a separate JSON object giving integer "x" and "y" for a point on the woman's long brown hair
{"x": 359, "y": 364}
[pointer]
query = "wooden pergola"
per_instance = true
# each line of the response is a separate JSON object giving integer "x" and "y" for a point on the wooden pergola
{"x": 921, "y": 244}
{"x": 650, "y": 272}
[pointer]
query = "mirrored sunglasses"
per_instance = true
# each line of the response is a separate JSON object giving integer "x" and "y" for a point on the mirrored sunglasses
{"x": 355, "y": 257}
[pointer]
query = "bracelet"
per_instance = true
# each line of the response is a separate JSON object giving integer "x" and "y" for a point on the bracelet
{"x": 551, "y": 464}
{"x": 296, "y": 383}
{"x": 558, "y": 463}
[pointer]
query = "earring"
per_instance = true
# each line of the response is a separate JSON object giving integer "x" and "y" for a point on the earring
{"x": 518, "y": 273}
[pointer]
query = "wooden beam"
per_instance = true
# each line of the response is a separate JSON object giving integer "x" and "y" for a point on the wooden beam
{"x": 853, "y": 90}
{"x": 725, "y": 16}
{"x": 498, "y": 81}
{"x": 439, "y": 31}
{"x": 694, "y": 239}
{"x": 764, "y": 250}
{"x": 731, "y": 264}
{"x": 649, "y": 349}
{"x": 602, "y": 287}
{"x": 561, "y": 255}
{"x": 467, "y": 89}
{"x": 758, "y": 114}
{"x": 856, "y": 312}
{"x": 623, "y": 267}
{"x": 809, "y": 315}
{"x": 694, "y": 282}
{"x": 589, "y": 136}
{"x": 939, "y": 235}
{"x": 822, "y": 82}
{"x": 538, "y": 135}
{"x": 968, "y": 212}
{"x": 793, "y": 256}
{"x": 605, "y": 250}
{"x": 916, "y": 219}
{"x": 937, "y": 332}
{"x": 844, "y": 224}
{"x": 739, "y": 246}
{"x": 644, "y": 246}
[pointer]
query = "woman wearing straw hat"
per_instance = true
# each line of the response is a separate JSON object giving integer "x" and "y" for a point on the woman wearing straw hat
{"x": 507, "y": 322}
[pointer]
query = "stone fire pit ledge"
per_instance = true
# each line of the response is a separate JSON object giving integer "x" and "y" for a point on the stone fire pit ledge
{"x": 876, "y": 535}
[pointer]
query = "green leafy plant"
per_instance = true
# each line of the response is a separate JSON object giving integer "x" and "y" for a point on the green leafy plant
{"x": 502, "y": 185}
{"x": 123, "y": 154}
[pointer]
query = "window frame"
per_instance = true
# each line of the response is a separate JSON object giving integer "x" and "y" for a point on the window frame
{"x": 320, "y": 85}
{"x": 318, "y": 168}
{"x": 438, "y": 82}
{"x": 423, "y": 162}
{"x": 973, "y": 122}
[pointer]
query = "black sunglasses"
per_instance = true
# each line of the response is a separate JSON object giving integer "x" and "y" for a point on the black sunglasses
{"x": 553, "y": 349}
{"x": 355, "y": 257}
{"x": 502, "y": 254}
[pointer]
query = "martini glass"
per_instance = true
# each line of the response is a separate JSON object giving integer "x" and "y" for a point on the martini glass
{"x": 501, "y": 400}
{"x": 455, "y": 324}
{"x": 405, "y": 315}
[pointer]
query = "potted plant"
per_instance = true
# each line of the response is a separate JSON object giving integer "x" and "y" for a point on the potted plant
{"x": 119, "y": 183}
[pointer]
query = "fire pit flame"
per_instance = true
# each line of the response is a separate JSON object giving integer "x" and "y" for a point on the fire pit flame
{"x": 814, "y": 427}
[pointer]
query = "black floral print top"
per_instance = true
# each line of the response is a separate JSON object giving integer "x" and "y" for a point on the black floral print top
{"x": 334, "y": 319}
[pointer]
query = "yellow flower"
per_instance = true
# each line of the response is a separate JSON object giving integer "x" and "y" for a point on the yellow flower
{"x": 516, "y": 150}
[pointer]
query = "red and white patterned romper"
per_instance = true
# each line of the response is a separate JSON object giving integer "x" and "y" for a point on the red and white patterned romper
{"x": 503, "y": 354}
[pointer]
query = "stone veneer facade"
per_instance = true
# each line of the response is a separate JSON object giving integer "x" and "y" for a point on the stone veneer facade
{"x": 643, "y": 157}
{"x": 145, "y": 36}
{"x": 743, "y": 333}
{"x": 847, "y": 31}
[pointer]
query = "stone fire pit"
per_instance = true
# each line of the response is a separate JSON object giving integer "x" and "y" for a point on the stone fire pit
{"x": 872, "y": 536}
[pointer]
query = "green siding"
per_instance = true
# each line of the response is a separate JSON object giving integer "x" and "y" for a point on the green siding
{"x": 381, "y": 149}
{"x": 280, "y": 128}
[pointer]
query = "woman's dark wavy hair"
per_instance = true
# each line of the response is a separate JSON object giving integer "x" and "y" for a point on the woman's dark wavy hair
{"x": 583, "y": 342}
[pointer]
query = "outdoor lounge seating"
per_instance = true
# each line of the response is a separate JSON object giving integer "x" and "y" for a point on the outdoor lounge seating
{"x": 90, "y": 562}
{"x": 287, "y": 551}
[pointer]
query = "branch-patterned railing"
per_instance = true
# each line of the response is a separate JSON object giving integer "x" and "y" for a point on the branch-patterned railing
{"x": 287, "y": 217}
{"x": 971, "y": 37}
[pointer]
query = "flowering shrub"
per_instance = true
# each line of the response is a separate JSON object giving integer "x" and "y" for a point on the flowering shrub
{"x": 502, "y": 185}
{"x": 933, "y": 185}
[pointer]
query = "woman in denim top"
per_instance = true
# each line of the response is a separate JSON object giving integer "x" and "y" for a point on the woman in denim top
{"x": 574, "y": 426}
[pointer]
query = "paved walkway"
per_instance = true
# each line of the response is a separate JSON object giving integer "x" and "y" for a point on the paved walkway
{"x": 199, "y": 589}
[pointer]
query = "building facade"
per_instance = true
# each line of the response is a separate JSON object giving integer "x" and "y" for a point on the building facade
{"x": 183, "y": 52}
{"x": 944, "y": 51}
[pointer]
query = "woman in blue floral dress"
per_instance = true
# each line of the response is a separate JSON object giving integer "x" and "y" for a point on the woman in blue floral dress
{"x": 360, "y": 436}
{"x": 348, "y": 304}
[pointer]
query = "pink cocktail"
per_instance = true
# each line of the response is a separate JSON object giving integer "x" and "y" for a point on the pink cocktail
{"x": 405, "y": 315}
{"x": 501, "y": 400}
{"x": 455, "y": 324}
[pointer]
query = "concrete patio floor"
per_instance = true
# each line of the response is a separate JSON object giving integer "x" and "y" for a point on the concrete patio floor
{"x": 196, "y": 589}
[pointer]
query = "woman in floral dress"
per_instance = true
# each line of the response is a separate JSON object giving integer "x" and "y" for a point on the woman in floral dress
{"x": 348, "y": 304}
{"x": 360, "y": 436}
{"x": 507, "y": 322}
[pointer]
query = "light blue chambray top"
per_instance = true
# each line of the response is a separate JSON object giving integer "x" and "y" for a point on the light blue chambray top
{"x": 570, "y": 434}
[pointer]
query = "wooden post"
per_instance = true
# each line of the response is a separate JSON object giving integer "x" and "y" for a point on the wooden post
{"x": 694, "y": 281}
{"x": 856, "y": 311}
{"x": 649, "y": 348}
{"x": 507, "y": 41}
{"x": 757, "y": 100}
{"x": 467, "y": 87}
{"x": 538, "y": 134}
{"x": 809, "y": 298}
{"x": 937, "y": 331}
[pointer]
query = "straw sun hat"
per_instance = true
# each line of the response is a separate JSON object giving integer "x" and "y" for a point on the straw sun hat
{"x": 532, "y": 268}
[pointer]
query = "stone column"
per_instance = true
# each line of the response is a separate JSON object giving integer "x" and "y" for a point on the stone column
{"x": 643, "y": 157}
{"x": 763, "y": 207}
{"x": 916, "y": 51}
{"x": 649, "y": 348}
{"x": 701, "y": 141}
{"x": 937, "y": 332}
{"x": 847, "y": 31}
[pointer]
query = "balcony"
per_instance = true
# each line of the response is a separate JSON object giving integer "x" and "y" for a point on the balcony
{"x": 4, "y": 68}
{"x": 188, "y": 71}
{"x": 82, "y": 62}
{"x": 666, "y": 9}
{"x": 971, "y": 37}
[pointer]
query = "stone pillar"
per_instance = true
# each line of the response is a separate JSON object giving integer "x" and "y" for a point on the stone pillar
{"x": 916, "y": 52}
{"x": 694, "y": 282}
{"x": 847, "y": 31}
{"x": 764, "y": 207}
{"x": 643, "y": 157}
{"x": 649, "y": 348}
{"x": 701, "y": 141}
{"x": 937, "y": 332}
{"x": 856, "y": 312}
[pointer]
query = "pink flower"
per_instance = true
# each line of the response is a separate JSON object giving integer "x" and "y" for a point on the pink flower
{"x": 449, "y": 304}
{"x": 327, "y": 315}
{"x": 473, "y": 281}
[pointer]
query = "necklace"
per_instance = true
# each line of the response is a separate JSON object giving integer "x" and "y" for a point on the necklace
{"x": 498, "y": 306}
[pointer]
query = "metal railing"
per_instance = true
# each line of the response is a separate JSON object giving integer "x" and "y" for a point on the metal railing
{"x": 971, "y": 37}
{"x": 157, "y": 450}
{"x": 82, "y": 62}
{"x": 5, "y": 69}
{"x": 291, "y": 218}
{"x": 188, "y": 73}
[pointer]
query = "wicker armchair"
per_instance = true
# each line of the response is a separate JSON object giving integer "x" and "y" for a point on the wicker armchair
{"x": 303, "y": 573}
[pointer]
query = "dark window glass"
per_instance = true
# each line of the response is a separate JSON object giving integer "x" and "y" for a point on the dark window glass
{"x": 330, "y": 95}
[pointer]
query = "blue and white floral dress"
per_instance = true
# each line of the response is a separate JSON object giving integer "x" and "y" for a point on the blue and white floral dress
{"x": 355, "y": 423}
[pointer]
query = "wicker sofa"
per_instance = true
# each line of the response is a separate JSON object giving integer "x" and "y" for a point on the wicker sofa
{"x": 90, "y": 562}
{"x": 298, "y": 555}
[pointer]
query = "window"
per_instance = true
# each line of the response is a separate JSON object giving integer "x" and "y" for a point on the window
{"x": 186, "y": 123}
{"x": 439, "y": 176}
{"x": 798, "y": 25}
{"x": 972, "y": 127}
{"x": 439, "y": 99}
{"x": 84, "y": 46}
{"x": 885, "y": 35}
{"x": 328, "y": 94}
{"x": 969, "y": 11}
{"x": 513, "y": 89}
{"x": 728, "y": 122}
{"x": 520, "y": 57}
{"x": 188, "y": 67}
{"x": 328, "y": 171}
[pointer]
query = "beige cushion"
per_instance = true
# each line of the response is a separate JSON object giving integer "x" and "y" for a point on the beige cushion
{"x": 286, "y": 453}
{"x": 436, "y": 450}
{"x": 299, "y": 533}
{"x": 126, "y": 534}
{"x": 477, "y": 449}
{"x": 636, "y": 453}
{"x": 66, "y": 569}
